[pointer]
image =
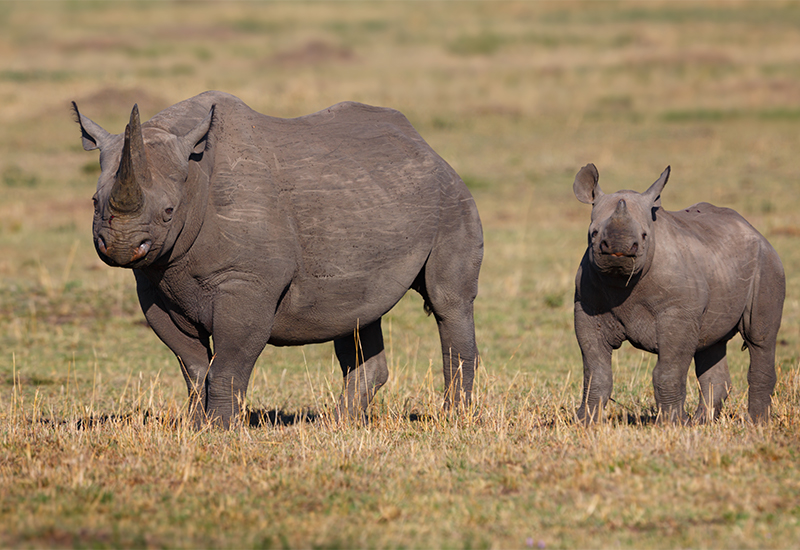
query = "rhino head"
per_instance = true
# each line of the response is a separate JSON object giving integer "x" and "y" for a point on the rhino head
{"x": 621, "y": 237}
{"x": 138, "y": 206}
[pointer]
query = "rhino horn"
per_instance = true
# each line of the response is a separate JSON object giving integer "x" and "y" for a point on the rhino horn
{"x": 621, "y": 211}
{"x": 127, "y": 196}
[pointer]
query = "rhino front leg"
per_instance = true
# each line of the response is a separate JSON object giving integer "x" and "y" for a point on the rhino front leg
{"x": 669, "y": 385}
{"x": 363, "y": 363}
{"x": 711, "y": 367}
{"x": 678, "y": 332}
{"x": 242, "y": 324}
{"x": 598, "y": 379}
{"x": 192, "y": 350}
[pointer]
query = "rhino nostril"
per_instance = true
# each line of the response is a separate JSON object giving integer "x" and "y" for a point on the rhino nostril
{"x": 101, "y": 245}
{"x": 603, "y": 245}
{"x": 634, "y": 249}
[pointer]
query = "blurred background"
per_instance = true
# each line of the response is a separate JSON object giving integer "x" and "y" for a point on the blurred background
{"x": 516, "y": 96}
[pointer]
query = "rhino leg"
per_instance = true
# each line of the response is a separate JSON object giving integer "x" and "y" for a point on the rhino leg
{"x": 448, "y": 282}
{"x": 598, "y": 379}
{"x": 459, "y": 357}
{"x": 677, "y": 338}
{"x": 760, "y": 333}
{"x": 228, "y": 377}
{"x": 193, "y": 351}
{"x": 669, "y": 385}
{"x": 450, "y": 297}
{"x": 363, "y": 363}
{"x": 242, "y": 326}
{"x": 761, "y": 379}
{"x": 711, "y": 367}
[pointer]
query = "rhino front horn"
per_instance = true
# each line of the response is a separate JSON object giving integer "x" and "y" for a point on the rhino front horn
{"x": 126, "y": 195}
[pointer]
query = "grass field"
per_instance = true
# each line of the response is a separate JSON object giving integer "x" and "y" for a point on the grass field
{"x": 516, "y": 97}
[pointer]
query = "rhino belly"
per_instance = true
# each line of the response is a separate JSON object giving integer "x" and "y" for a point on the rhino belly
{"x": 323, "y": 305}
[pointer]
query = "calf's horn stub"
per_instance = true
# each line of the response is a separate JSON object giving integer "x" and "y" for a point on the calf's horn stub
{"x": 126, "y": 195}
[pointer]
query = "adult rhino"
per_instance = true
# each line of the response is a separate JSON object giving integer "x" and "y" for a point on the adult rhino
{"x": 247, "y": 230}
{"x": 679, "y": 284}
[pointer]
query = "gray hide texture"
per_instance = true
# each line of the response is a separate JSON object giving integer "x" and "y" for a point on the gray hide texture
{"x": 678, "y": 284}
{"x": 257, "y": 230}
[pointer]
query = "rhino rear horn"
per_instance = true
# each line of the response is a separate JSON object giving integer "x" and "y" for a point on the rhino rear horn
{"x": 126, "y": 195}
{"x": 586, "y": 186}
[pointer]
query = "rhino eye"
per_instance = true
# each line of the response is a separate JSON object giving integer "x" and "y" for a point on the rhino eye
{"x": 644, "y": 236}
{"x": 168, "y": 211}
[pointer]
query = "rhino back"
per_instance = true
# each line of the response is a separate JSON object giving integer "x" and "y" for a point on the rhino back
{"x": 351, "y": 197}
{"x": 709, "y": 258}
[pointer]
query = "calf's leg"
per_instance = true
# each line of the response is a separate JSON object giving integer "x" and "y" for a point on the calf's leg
{"x": 363, "y": 363}
{"x": 711, "y": 367}
{"x": 669, "y": 388}
{"x": 760, "y": 325}
{"x": 598, "y": 378}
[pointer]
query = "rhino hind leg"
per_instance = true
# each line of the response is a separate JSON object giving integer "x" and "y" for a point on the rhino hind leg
{"x": 449, "y": 293}
{"x": 759, "y": 329}
{"x": 761, "y": 379}
{"x": 714, "y": 378}
{"x": 363, "y": 363}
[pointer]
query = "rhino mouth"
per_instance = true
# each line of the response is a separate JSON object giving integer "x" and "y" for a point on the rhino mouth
{"x": 617, "y": 263}
{"x": 631, "y": 252}
{"x": 122, "y": 256}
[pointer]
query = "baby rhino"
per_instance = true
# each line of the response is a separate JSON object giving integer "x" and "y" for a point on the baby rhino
{"x": 678, "y": 284}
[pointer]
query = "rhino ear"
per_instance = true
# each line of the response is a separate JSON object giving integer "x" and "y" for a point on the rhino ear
{"x": 654, "y": 192}
{"x": 92, "y": 134}
{"x": 195, "y": 141}
{"x": 585, "y": 187}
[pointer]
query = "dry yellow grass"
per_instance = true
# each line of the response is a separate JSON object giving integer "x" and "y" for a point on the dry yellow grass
{"x": 517, "y": 96}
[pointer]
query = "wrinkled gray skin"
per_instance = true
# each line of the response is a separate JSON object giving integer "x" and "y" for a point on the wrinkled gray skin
{"x": 255, "y": 230}
{"x": 678, "y": 284}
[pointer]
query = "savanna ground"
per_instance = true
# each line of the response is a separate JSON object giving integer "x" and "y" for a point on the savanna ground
{"x": 517, "y": 97}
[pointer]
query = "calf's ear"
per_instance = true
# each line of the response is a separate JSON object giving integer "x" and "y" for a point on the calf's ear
{"x": 585, "y": 187}
{"x": 195, "y": 140}
{"x": 654, "y": 192}
{"x": 92, "y": 134}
